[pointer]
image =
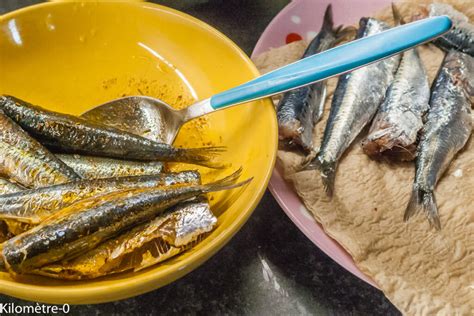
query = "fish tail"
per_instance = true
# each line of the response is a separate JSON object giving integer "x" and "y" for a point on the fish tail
{"x": 340, "y": 32}
{"x": 426, "y": 201}
{"x": 328, "y": 21}
{"x": 328, "y": 173}
{"x": 414, "y": 204}
{"x": 397, "y": 16}
{"x": 328, "y": 176}
{"x": 226, "y": 183}
{"x": 204, "y": 156}
{"x": 431, "y": 209}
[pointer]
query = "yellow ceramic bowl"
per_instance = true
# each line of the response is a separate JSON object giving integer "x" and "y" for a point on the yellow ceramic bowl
{"x": 69, "y": 57}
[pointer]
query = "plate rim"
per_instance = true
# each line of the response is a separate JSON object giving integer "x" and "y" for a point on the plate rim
{"x": 277, "y": 180}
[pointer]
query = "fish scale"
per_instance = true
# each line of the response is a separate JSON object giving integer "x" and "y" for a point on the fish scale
{"x": 165, "y": 236}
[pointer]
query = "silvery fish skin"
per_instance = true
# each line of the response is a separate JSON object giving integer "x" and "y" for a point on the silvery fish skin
{"x": 84, "y": 225}
{"x": 396, "y": 125}
{"x": 446, "y": 132}
{"x": 26, "y": 161}
{"x": 300, "y": 109}
{"x": 167, "y": 235}
{"x": 461, "y": 37}
{"x": 357, "y": 96}
{"x": 33, "y": 206}
{"x": 90, "y": 167}
{"x": 7, "y": 187}
{"x": 71, "y": 134}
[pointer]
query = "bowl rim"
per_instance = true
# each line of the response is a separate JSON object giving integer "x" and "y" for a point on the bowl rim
{"x": 141, "y": 283}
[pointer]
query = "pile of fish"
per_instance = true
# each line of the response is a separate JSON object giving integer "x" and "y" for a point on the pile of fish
{"x": 408, "y": 120}
{"x": 80, "y": 199}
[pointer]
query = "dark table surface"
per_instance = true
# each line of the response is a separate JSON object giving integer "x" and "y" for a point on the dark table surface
{"x": 269, "y": 267}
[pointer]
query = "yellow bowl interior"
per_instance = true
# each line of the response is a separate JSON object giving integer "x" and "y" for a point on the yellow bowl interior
{"x": 69, "y": 57}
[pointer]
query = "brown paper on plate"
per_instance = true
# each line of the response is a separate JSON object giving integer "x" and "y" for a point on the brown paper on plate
{"x": 420, "y": 270}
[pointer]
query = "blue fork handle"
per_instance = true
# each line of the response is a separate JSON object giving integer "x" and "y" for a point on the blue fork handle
{"x": 335, "y": 61}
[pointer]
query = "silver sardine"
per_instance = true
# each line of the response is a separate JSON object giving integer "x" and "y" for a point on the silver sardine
{"x": 396, "y": 125}
{"x": 164, "y": 237}
{"x": 82, "y": 226}
{"x": 461, "y": 36}
{"x": 357, "y": 96}
{"x": 300, "y": 109}
{"x": 70, "y": 134}
{"x": 33, "y": 206}
{"x": 446, "y": 132}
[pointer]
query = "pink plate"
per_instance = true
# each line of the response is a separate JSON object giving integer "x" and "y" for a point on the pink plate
{"x": 302, "y": 19}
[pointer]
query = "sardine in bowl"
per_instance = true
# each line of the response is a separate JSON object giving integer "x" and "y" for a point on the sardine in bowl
{"x": 69, "y": 57}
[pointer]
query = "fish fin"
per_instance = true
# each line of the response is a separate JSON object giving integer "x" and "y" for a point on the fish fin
{"x": 328, "y": 21}
{"x": 423, "y": 200}
{"x": 328, "y": 176}
{"x": 431, "y": 209}
{"x": 414, "y": 204}
{"x": 328, "y": 173}
{"x": 397, "y": 16}
{"x": 226, "y": 183}
{"x": 232, "y": 178}
{"x": 341, "y": 32}
{"x": 202, "y": 156}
